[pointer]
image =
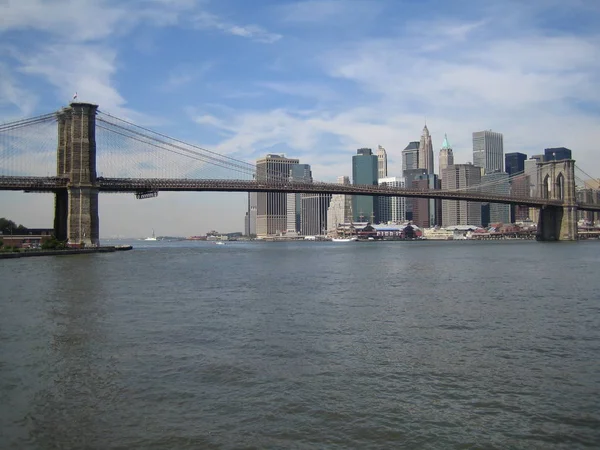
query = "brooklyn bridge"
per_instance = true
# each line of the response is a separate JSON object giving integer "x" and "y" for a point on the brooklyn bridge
{"x": 94, "y": 152}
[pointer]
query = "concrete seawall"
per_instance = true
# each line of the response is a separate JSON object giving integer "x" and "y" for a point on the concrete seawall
{"x": 70, "y": 251}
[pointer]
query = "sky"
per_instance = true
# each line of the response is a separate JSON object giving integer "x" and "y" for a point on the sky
{"x": 313, "y": 79}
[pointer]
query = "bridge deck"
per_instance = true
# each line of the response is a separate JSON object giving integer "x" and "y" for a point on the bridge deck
{"x": 134, "y": 185}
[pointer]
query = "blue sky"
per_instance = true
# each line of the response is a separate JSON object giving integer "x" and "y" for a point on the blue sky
{"x": 314, "y": 79}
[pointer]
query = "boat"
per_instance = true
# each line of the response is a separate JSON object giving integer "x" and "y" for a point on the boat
{"x": 343, "y": 239}
{"x": 153, "y": 238}
{"x": 220, "y": 243}
{"x": 123, "y": 247}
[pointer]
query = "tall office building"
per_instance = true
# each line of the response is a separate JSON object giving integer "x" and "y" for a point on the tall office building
{"x": 426, "y": 151}
{"x": 364, "y": 172}
{"x": 496, "y": 183}
{"x": 392, "y": 209}
{"x": 314, "y": 214}
{"x": 460, "y": 212}
{"x": 514, "y": 162}
{"x": 446, "y": 155}
{"x": 531, "y": 172}
{"x": 411, "y": 175}
{"x": 426, "y": 211}
{"x": 382, "y": 166}
{"x": 557, "y": 154}
{"x": 271, "y": 207}
{"x": 250, "y": 219}
{"x": 340, "y": 207}
{"x": 298, "y": 173}
{"x": 410, "y": 156}
{"x": 488, "y": 151}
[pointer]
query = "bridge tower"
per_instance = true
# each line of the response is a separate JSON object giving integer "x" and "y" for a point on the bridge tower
{"x": 556, "y": 181}
{"x": 76, "y": 208}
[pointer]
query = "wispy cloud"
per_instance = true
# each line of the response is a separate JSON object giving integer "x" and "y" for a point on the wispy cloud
{"x": 206, "y": 20}
{"x": 186, "y": 74}
{"x": 13, "y": 94}
{"x": 333, "y": 12}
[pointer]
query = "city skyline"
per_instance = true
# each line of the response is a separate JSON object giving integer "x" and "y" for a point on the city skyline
{"x": 308, "y": 84}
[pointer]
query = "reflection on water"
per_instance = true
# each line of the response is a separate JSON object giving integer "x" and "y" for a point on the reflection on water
{"x": 302, "y": 345}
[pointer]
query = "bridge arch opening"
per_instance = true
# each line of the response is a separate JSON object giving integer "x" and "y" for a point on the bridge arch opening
{"x": 546, "y": 187}
{"x": 560, "y": 187}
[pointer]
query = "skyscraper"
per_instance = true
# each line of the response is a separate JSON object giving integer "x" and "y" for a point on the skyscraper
{"x": 314, "y": 214}
{"x": 496, "y": 183}
{"x": 299, "y": 173}
{"x": 340, "y": 207}
{"x": 556, "y": 154}
{"x": 426, "y": 151}
{"x": 488, "y": 151}
{"x": 381, "y": 162}
{"x": 250, "y": 219}
{"x": 411, "y": 175}
{"x": 425, "y": 211}
{"x": 392, "y": 209}
{"x": 271, "y": 207}
{"x": 460, "y": 212}
{"x": 446, "y": 155}
{"x": 410, "y": 156}
{"x": 514, "y": 162}
{"x": 364, "y": 171}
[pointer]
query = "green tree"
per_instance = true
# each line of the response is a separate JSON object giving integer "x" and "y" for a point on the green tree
{"x": 9, "y": 227}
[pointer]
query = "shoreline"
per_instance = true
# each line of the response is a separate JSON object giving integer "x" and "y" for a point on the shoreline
{"x": 70, "y": 251}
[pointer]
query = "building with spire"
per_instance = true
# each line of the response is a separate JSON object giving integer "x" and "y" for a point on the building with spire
{"x": 426, "y": 151}
{"x": 446, "y": 155}
{"x": 382, "y": 170}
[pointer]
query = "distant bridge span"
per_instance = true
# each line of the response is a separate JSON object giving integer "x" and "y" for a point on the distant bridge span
{"x": 141, "y": 185}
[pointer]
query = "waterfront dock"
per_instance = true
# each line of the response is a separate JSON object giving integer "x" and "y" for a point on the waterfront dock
{"x": 67, "y": 251}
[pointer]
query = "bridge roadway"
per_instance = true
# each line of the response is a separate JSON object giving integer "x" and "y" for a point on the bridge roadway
{"x": 139, "y": 185}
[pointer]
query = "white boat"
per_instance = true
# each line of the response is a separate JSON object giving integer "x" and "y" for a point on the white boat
{"x": 153, "y": 238}
{"x": 220, "y": 243}
{"x": 350, "y": 239}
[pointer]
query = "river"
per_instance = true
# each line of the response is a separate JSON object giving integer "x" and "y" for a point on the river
{"x": 192, "y": 345}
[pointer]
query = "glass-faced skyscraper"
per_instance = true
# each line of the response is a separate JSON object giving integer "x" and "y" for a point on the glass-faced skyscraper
{"x": 488, "y": 151}
{"x": 364, "y": 171}
{"x": 514, "y": 162}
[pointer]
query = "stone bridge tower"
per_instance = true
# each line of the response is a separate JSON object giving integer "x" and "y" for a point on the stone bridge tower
{"x": 76, "y": 208}
{"x": 556, "y": 181}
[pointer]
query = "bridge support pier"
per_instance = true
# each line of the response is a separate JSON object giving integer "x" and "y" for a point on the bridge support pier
{"x": 76, "y": 208}
{"x": 556, "y": 181}
{"x": 557, "y": 224}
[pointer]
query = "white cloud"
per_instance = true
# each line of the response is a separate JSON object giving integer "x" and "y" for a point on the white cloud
{"x": 206, "y": 20}
{"x": 14, "y": 95}
{"x": 527, "y": 88}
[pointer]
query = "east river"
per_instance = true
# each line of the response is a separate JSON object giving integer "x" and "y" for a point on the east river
{"x": 192, "y": 345}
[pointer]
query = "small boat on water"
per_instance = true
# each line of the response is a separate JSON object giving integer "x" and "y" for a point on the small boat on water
{"x": 350, "y": 239}
{"x": 153, "y": 238}
{"x": 220, "y": 243}
{"x": 121, "y": 248}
